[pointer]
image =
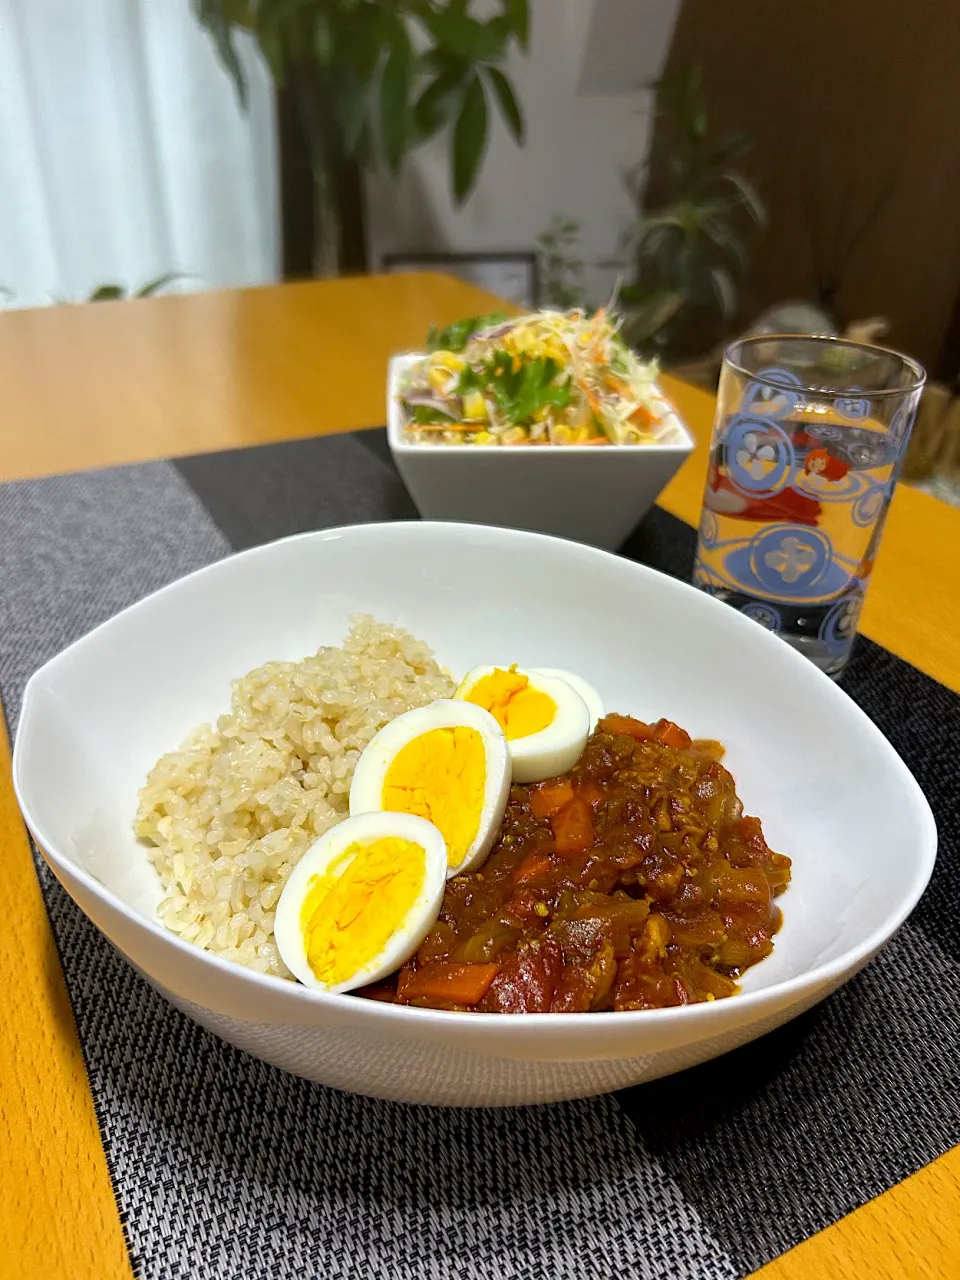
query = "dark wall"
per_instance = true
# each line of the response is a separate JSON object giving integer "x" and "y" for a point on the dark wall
{"x": 846, "y": 97}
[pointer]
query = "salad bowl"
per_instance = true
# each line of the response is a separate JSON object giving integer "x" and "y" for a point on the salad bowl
{"x": 521, "y": 477}
{"x": 590, "y": 495}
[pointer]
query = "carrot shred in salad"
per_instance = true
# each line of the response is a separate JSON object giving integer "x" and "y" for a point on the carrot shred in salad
{"x": 549, "y": 377}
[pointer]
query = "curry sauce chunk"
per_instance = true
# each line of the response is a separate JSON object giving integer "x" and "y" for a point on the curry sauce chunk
{"x": 635, "y": 881}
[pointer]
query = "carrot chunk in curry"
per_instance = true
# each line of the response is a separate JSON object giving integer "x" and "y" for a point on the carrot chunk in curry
{"x": 633, "y": 882}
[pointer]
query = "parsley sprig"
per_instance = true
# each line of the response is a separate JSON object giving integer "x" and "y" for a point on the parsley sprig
{"x": 520, "y": 387}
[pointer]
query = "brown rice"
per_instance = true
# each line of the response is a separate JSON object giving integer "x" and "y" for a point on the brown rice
{"x": 231, "y": 812}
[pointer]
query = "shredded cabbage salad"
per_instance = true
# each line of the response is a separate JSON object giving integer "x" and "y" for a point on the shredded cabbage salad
{"x": 550, "y": 377}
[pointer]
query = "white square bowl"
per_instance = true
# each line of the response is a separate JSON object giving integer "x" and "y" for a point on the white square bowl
{"x": 830, "y": 790}
{"x": 589, "y": 494}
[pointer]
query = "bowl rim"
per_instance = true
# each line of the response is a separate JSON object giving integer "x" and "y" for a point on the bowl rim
{"x": 751, "y": 1002}
{"x": 402, "y": 360}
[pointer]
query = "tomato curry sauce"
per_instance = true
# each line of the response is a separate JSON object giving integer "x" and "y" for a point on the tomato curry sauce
{"x": 632, "y": 882}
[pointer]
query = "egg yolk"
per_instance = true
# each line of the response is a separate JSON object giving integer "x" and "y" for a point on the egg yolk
{"x": 517, "y": 707}
{"x": 350, "y": 915}
{"x": 441, "y": 776}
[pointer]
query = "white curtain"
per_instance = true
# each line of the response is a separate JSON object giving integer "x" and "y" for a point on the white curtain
{"x": 124, "y": 154}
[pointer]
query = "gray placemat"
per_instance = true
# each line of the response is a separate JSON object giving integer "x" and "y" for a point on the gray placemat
{"x": 226, "y": 1167}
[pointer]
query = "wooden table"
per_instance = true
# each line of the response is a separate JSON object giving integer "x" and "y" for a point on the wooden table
{"x": 122, "y": 382}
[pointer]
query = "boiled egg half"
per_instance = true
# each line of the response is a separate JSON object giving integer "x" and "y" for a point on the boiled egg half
{"x": 360, "y": 900}
{"x": 544, "y": 719}
{"x": 586, "y": 691}
{"x": 447, "y": 763}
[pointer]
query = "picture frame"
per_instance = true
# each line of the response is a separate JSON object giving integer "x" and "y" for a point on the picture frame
{"x": 510, "y": 274}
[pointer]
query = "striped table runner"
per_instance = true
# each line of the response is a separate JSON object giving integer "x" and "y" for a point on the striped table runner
{"x": 225, "y": 1167}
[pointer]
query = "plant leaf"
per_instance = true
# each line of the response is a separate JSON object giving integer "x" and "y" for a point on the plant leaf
{"x": 426, "y": 416}
{"x": 517, "y": 13}
{"x": 457, "y": 33}
{"x": 724, "y": 237}
{"x": 731, "y": 147}
{"x": 239, "y": 13}
{"x": 645, "y": 317}
{"x": 506, "y": 98}
{"x": 660, "y": 240}
{"x": 270, "y": 39}
{"x": 352, "y": 101}
{"x": 159, "y": 282}
{"x": 725, "y": 290}
{"x": 437, "y": 60}
{"x": 498, "y": 33}
{"x": 456, "y": 336}
{"x": 323, "y": 46}
{"x": 435, "y": 105}
{"x": 108, "y": 293}
{"x": 219, "y": 25}
{"x": 521, "y": 391}
{"x": 395, "y": 114}
{"x": 366, "y": 39}
{"x": 696, "y": 107}
{"x": 469, "y": 139}
{"x": 665, "y": 219}
{"x": 749, "y": 196}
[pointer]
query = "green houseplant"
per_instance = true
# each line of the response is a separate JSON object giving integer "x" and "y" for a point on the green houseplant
{"x": 118, "y": 292}
{"x": 696, "y": 212}
{"x": 561, "y": 267}
{"x": 373, "y": 79}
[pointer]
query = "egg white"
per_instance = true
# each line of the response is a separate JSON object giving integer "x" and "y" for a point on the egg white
{"x": 586, "y": 691}
{"x": 557, "y": 747}
{"x": 410, "y": 930}
{"x": 366, "y": 790}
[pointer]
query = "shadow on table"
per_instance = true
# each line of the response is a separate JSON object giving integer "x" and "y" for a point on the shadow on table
{"x": 272, "y": 491}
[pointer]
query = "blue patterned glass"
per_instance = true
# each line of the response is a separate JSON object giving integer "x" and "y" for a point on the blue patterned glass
{"x": 807, "y": 445}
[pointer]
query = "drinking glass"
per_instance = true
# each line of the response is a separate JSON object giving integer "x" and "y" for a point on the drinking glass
{"x": 807, "y": 445}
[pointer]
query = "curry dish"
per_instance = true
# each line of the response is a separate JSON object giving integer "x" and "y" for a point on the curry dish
{"x": 632, "y": 882}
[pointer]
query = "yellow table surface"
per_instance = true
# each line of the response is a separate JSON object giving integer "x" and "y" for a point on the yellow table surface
{"x": 109, "y": 383}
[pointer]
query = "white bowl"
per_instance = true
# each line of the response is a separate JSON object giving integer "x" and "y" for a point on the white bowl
{"x": 593, "y": 495}
{"x": 831, "y": 791}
